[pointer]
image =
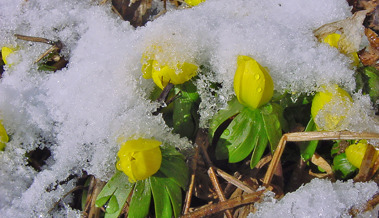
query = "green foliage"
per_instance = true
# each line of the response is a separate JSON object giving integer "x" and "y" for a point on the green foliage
{"x": 248, "y": 132}
{"x": 307, "y": 149}
{"x": 185, "y": 116}
{"x": 368, "y": 80}
{"x": 342, "y": 167}
{"x": 165, "y": 187}
{"x": 115, "y": 194}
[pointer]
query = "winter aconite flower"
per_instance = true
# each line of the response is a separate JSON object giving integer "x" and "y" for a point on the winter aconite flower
{"x": 3, "y": 137}
{"x": 356, "y": 152}
{"x": 5, "y": 51}
{"x": 193, "y": 2}
{"x": 333, "y": 40}
{"x": 140, "y": 158}
{"x": 253, "y": 85}
{"x": 330, "y": 107}
{"x": 164, "y": 73}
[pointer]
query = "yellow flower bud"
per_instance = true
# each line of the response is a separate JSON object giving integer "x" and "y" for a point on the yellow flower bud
{"x": 5, "y": 51}
{"x": 356, "y": 152}
{"x": 140, "y": 158}
{"x": 253, "y": 85}
{"x": 193, "y": 2}
{"x": 162, "y": 74}
{"x": 3, "y": 137}
{"x": 333, "y": 40}
{"x": 330, "y": 107}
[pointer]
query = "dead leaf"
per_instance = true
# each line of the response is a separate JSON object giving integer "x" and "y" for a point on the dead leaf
{"x": 370, "y": 55}
{"x": 137, "y": 12}
{"x": 351, "y": 30}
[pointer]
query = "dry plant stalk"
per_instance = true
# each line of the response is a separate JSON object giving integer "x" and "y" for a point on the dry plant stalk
{"x": 90, "y": 209}
{"x": 310, "y": 136}
{"x": 202, "y": 142}
{"x": 189, "y": 193}
{"x": 55, "y": 45}
{"x": 234, "y": 181}
{"x": 228, "y": 204}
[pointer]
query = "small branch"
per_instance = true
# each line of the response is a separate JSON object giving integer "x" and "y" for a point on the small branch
{"x": 365, "y": 169}
{"x": 56, "y": 45}
{"x": 201, "y": 141}
{"x": 310, "y": 136}
{"x": 90, "y": 209}
{"x": 371, "y": 204}
{"x": 187, "y": 202}
{"x": 225, "y": 205}
{"x": 163, "y": 97}
{"x": 34, "y": 39}
{"x": 64, "y": 196}
{"x": 234, "y": 181}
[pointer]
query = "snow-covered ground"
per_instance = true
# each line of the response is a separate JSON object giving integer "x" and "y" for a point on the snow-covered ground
{"x": 81, "y": 110}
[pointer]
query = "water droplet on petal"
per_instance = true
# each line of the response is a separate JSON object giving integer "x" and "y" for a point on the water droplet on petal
{"x": 226, "y": 132}
{"x": 259, "y": 89}
{"x": 257, "y": 77}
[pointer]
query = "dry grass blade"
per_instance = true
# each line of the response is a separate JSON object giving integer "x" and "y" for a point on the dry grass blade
{"x": 189, "y": 193}
{"x": 202, "y": 142}
{"x": 234, "y": 181}
{"x": 224, "y": 205}
{"x": 371, "y": 204}
{"x": 95, "y": 187}
{"x": 366, "y": 171}
{"x": 310, "y": 136}
{"x": 64, "y": 196}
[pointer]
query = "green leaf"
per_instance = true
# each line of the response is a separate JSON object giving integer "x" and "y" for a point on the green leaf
{"x": 271, "y": 114}
{"x": 185, "y": 117}
{"x": 140, "y": 202}
{"x": 85, "y": 193}
{"x": 233, "y": 108}
{"x": 241, "y": 136}
{"x": 175, "y": 194}
{"x": 115, "y": 193}
{"x": 307, "y": 149}
{"x": 373, "y": 83}
{"x": 161, "y": 198}
{"x": 174, "y": 167}
{"x": 342, "y": 167}
{"x": 258, "y": 150}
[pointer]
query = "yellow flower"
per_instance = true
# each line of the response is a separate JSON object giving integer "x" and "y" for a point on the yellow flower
{"x": 356, "y": 152}
{"x": 5, "y": 51}
{"x": 162, "y": 74}
{"x": 193, "y": 2}
{"x": 3, "y": 137}
{"x": 333, "y": 40}
{"x": 253, "y": 85}
{"x": 140, "y": 158}
{"x": 330, "y": 107}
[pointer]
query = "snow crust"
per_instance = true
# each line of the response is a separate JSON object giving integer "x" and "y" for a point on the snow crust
{"x": 80, "y": 111}
{"x": 319, "y": 198}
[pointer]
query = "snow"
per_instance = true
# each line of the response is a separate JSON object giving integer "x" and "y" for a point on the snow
{"x": 319, "y": 198}
{"x": 79, "y": 112}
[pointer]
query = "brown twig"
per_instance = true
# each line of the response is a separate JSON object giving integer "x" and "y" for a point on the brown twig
{"x": 55, "y": 45}
{"x": 187, "y": 202}
{"x": 365, "y": 172}
{"x": 225, "y": 205}
{"x": 371, "y": 204}
{"x": 201, "y": 141}
{"x": 234, "y": 181}
{"x": 310, "y": 136}
{"x": 90, "y": 209}
{"x": 64, "y": 196}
